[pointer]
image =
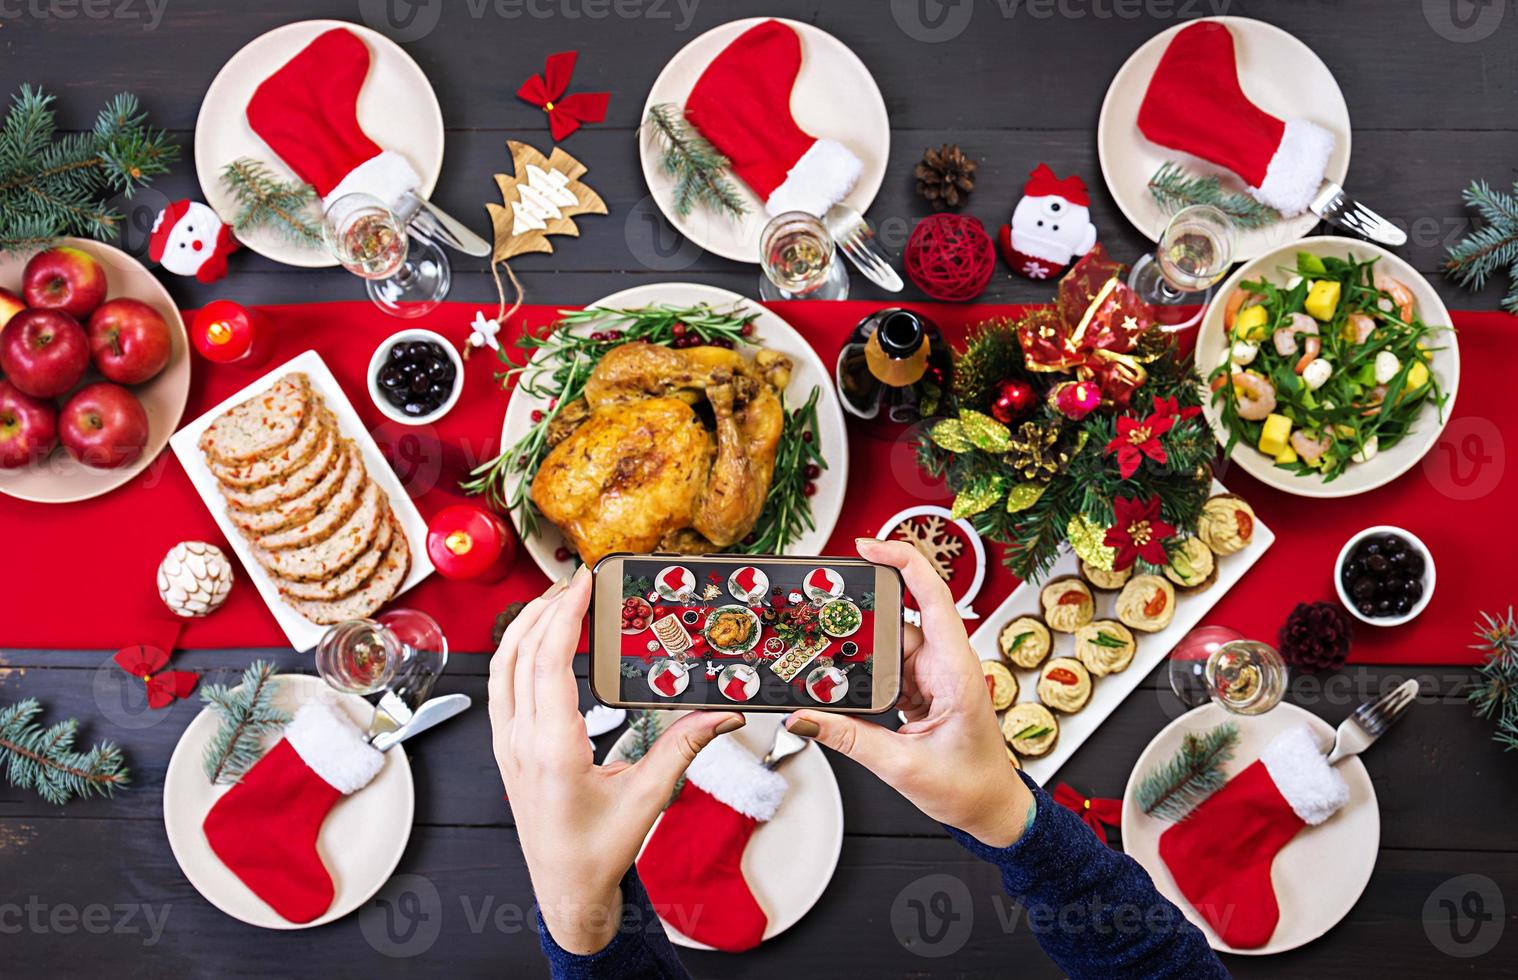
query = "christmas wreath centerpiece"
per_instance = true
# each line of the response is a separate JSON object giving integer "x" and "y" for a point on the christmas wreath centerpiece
{"x": 1075, "y": 423}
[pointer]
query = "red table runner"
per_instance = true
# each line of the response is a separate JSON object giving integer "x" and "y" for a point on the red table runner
{"x": 81, "y": 575}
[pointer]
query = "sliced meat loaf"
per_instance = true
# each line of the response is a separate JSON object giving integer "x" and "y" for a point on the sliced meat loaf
{"x": 349, "y": 579}
{"x": 334, "y": 461}
{"x": 364, "y": 601}
{"x": 325, "y": 522}
{"x": 264, "y": 424}
{"x": 325, "y": 558}
{"x": 282, "y": 462}
{"x": 329, "y": 456}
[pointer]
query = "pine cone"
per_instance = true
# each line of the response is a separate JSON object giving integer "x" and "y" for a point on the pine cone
{"x": 1316, "y": 636}
{"x": 945, "y": 176}
{"x": 1033, "y": 452}
{"x": 503, "y": 619}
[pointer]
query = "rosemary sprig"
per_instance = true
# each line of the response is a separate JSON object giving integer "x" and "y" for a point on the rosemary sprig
{"x": 698, "y": 169}
{"x": 787, "y": 512}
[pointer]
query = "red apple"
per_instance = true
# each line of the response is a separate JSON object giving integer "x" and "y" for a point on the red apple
{"x": 64, "y": 278}
{"x": 128, "y": 340}
{"x": 28, "y": 427}
{"x": 44, "y": 352}
{"x": 10, "y": 305}
{"x": 104, "y": 426}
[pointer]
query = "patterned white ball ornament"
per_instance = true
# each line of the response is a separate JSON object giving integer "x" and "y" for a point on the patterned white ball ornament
{"x": 194, "y": 578}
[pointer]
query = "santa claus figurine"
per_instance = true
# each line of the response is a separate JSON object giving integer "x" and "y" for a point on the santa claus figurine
{"x": 1051, "y": 226}
{"x": 189, "y": 240}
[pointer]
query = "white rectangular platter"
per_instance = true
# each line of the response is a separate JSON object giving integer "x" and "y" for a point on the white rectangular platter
{"x": 302, "y": 633}
{"x": 1108, "y": 692}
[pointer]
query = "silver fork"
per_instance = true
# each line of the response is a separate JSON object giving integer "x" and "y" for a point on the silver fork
{"x": 1370, "y": 721}
{"x": 857, "y": 239}
{"x": 784, "y": 746}
{"x": 1338, "y": 208}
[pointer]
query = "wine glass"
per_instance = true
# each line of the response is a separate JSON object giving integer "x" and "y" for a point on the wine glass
{"x": 1215, "y": 663}
{"x": 1194, "y": 252}
{"x": 402, "y": 651}
{"x": 799, "y": 261}
{"x": 406, "y": 276}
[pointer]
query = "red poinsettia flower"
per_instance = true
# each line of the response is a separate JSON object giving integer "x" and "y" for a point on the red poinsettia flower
{"x": 1170, "y": 405}
{"x": 1136, "y": 439}
{"x": 1137, "y": 532}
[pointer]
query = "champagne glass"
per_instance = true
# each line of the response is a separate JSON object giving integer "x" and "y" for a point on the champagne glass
{"x": 406, "y": 276}
{"x": 1215, "y": 663}
{"x": 1194, "y": 252}
{"x": 799, "y": 260}
{"x": 401, "y": 651}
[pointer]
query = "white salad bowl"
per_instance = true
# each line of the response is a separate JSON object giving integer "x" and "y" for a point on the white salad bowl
{"x": 1278, "y": 265}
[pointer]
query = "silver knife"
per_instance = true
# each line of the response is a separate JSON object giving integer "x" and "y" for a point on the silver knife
{"x": 1337, "y": 208}
{"x": 432, "y": 712}
{"x": 432, "y": 221}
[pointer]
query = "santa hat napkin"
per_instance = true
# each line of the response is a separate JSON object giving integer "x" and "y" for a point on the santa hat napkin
{"x": 1194, "y": 104}
{"x": 307, "y": 112}
{"x": 188, "y": 239}
{"x": 742, "y": 104}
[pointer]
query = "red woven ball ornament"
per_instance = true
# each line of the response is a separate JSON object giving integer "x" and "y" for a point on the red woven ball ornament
{"x": 950, "y": 257}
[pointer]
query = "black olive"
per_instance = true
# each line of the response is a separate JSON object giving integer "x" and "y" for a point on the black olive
{"x": 438, "y": 370}
{"x": 1398, "y": 559}
{"x": 1403, "y": 604}
{"x": 391, "y": 377}
{"x": 1367, "y": 608}
{"x": 1376, "y": 563}
{"x": 399, "y": 397}
{"x": 1415, "y": 565}
{"x": 420, "y": 384}
{"x": 439, "y": 392}
{"x": 400, "y": 352}
{"x": 415, "y": 408}
{"x": 1363, "y": 588}
{"x": 1383, "y": 607}
{"x": 1371, "y": 548}
{"x": 1415, "y": 589}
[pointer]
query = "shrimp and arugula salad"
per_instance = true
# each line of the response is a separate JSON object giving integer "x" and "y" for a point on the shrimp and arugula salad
{"x": 1323, "y": 373}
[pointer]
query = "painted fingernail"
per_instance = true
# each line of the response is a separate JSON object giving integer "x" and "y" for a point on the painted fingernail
{"x": 804, "y": 727}
{"x": 731, "y": 725}
{"x": 860, "y": 541}
{"x": 556, "y": 588}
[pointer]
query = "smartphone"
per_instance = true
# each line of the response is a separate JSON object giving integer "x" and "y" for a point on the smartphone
{"x": 751, "y": 632}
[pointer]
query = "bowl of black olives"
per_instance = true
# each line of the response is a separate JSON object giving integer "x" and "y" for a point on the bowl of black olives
{"x": 415, "y": 376}
{"x": 1385, "y": 575}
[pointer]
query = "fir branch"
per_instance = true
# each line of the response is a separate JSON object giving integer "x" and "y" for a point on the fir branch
{"x": 698, "y": 169}
{"x": 1495, "y": 696}
{"x": 247, "y": 714}
{"x": 643, "y": 728}
{"x": 1492, "y": 248}
{"x": 44, "y": 760}
{"x": 1174, "y": 789}
{"x": 265, "y": 201}
{"x": 1174, "y": 188}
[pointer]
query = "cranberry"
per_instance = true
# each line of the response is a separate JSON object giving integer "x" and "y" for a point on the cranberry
{"x": 806, "y": 436}
{"x": 810, "y": 489}
{"x": 613, "y": 335}
{"x": 679, "y": 329}
{"x": 537, "y": 415}
{"x": 813, "y": 471}
{"x": 747, "y": 329}
{"x": 561, "y": 554}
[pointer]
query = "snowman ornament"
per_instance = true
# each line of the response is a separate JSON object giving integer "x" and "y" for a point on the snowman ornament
{"x": 1051, "y": 226}
{"x": 188, "y": 239}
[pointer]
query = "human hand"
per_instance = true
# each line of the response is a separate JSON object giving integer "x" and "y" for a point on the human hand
{"x": 949, "y": 758}
{"x": 580, "y": 824}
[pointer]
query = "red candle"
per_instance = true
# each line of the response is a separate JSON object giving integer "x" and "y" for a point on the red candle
{"x": 469, "y": 542}
{"x": 227, "y": 333}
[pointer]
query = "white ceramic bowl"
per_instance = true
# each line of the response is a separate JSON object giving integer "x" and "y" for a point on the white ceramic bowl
{"x": 1388, "y": 464}
{"x": 382, "y": 352}
{"x": 1428, "y": 575}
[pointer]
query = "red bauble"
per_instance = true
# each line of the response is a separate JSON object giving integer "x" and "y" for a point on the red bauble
{"x": 950, "y": 257}
{"x": 1014, "y": 399}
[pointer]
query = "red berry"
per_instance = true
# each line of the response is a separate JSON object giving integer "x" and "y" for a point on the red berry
{"x": 679, "y": 329}
{"x": 813, "y": 471}
{"x": 613, "y": 335}
{"x": 747, "y": 329}
{"x": 561, "y": 554}
{"x": 810, "y": 489}
{"x": 537, "y": 415}
{"x": 806, "y": 436}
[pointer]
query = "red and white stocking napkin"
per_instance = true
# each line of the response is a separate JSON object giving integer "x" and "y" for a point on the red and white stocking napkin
{"x": 307, "y": 112}
{"x": 1194, "y": 104}
{"x": 264, "y": 829}
{"x": 742, "y": 104}
{"x": 1220, "y": 855}
{"x": 692, "y": 865}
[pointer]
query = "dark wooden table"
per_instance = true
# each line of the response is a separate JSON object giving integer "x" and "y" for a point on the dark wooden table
{"x": 93, "y": 889}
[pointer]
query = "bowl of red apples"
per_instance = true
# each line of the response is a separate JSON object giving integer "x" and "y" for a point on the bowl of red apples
{"x": 94, "y": 371}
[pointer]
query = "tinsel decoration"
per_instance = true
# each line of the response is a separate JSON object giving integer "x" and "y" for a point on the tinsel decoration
{"x": 1088, "y": 541}
{"x": 1316, "y": 636}
{"x": 1173, "y": 188}
{"x": 53, "y": 186}
{"x": 699, "y": 171}
{"x": 950, "y": 257}
{"x": 1176, "y": 787}
{"x": 1492, "y": 248}
{"x": 264, "y": 201}
{"x": 247, "y": 714}
{"x": 43, "y": 759}
{"x": 1495, "y": 696}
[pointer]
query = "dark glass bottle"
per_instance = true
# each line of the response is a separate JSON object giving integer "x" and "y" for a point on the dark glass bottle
{"x": 893, "y": 370}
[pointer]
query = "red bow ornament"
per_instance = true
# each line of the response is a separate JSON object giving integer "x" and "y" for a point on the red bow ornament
{"x": 164, "y": 686}
{"x": 1094, "y": 813}
{"x": 1092, "y": 329}
{"x": 565, "y": 112}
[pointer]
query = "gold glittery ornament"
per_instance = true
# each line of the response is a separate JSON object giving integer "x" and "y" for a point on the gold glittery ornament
{"x": 1087, "y": 537}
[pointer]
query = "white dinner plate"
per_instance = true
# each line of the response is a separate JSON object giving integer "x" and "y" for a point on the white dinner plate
{"x": 1279, "y": 73}
{"x": 360, "y": 842}
{"x": 302, "y": 633}
{"x": 834, "y": 97}
{"x": 770, "y": 331}
{"x": 1107, "y": 692}
{"x": 1320, "y": 873}
{"x": 396, "y": 108}
{"x": 1386, "y": 465}
{"x": 791, "y": 858}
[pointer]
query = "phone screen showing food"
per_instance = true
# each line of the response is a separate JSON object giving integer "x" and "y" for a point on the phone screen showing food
{"x": 776, "y": 635}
